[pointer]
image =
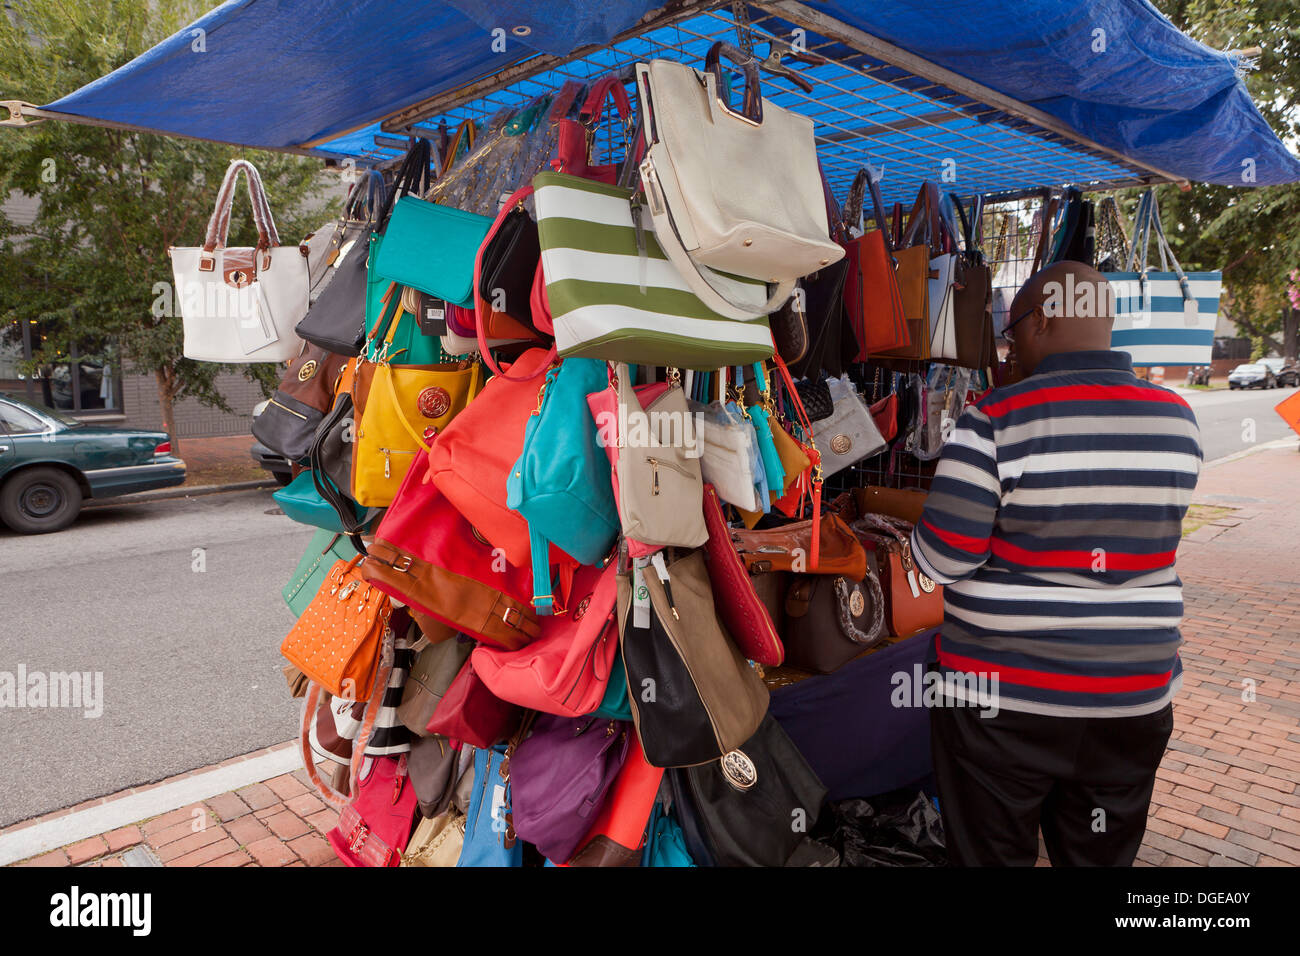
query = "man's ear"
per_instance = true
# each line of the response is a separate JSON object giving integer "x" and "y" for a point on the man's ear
{"x": 1038, "y": 320}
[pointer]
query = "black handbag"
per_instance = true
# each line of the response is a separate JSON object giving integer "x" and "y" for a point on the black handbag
{"x": 831, "y": 343}
{"x": 290, "y": 420}
{"x": 752, "y": 807}
{"x": 509, "y": 264}
{"x": 816, "y": 398}
{"x": 330, "y": 460}
{"x": 829, "y": 620}
{"x": 336, "y": 320}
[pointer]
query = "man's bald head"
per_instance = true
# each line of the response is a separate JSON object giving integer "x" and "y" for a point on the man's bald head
{"x": 1067, "y": 307}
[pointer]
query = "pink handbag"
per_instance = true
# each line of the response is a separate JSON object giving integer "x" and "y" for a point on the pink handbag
{"x": 566, "y": 670}
{"x": 373, "y": 828}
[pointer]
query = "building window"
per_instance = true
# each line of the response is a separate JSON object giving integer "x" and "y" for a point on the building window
{"x": 85, "y": 381}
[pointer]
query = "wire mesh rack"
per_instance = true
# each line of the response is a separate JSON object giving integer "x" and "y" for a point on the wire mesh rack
{"x": 864, "y": 111}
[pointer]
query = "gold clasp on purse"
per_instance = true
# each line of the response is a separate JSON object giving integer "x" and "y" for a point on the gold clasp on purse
{"x": 347, "y": 590}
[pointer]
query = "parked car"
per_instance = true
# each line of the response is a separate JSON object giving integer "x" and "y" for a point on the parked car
{"x": 1283, "y": 374}
{"x": 1251, "y": 375}
{"x": 50, "y": 463}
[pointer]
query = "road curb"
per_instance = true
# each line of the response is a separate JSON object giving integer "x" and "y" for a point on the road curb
{"x": 1265, "y": 446}
{"x": 181, "y": 492}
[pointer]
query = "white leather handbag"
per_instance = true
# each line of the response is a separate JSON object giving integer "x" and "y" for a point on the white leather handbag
{"x": 240, "y": 306}
{"x": 731, "y": 193}
{"x": 943, "y": 322}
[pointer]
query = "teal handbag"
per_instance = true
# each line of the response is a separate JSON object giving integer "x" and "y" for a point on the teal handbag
{"x": 300, "y": 500}
{"x": 755, "y": 461}
{"x": 772, "y": 466}
{"x": 409, "y": 346}
{"x": 560, "y": 483}
{"x": 615, "y": 705}
{"x": 325, "y": 548}
{"x": 665, "y": 844}
{"x": 432, "y": 248}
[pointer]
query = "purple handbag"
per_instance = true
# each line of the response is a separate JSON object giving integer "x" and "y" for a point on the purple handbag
{"x": 559, "y": 778}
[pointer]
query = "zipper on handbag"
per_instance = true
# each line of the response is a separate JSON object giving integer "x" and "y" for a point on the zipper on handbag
{"x": 388, "y": 453}
{"x": 289, "y": 410}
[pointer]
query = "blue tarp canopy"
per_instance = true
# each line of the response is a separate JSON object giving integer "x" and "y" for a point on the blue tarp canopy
{"x": 1111, "y": 91}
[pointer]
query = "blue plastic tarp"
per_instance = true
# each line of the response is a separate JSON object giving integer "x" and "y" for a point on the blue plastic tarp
{"x": 285, "y": 73}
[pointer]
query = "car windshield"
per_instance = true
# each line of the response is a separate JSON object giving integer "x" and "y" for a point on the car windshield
{"x": 1249, "y": 368}
{"x": 51, "y": 413}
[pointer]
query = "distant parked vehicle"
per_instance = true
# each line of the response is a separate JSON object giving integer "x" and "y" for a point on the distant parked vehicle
{"x": 1284, "y": 374}
{"x": 50, "y": 462}
{"x": 1251, "y": 375}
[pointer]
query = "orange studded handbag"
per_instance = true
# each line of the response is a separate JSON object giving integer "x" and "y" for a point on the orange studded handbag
{"x": 337, "y": 640}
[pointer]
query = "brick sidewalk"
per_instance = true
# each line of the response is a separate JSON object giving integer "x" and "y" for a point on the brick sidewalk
{"x": 1226, "y": 793}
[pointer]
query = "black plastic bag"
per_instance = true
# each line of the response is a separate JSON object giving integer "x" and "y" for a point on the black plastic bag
{"x": 890, "y": 830}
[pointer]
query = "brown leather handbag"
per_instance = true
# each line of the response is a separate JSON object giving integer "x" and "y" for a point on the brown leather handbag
{"x": 913, "y": 602}
{"x": 337, "y": 639}
{"x": 788, "y": 548}
{"x": 829, "y": 620}
{"x": 972, "y": 297}
{"x": 905, "y": 503}
{"x": 289, "y": 422}
{"x": 434, "y": 669}
{"x": 912, "y": 253}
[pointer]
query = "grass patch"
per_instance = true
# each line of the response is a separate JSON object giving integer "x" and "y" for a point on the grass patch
{"x": 1199, "y": 515}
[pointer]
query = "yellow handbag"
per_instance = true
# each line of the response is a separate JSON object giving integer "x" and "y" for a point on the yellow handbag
{"x": 395, "y": 406}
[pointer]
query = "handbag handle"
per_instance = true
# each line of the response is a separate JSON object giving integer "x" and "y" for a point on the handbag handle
{"x": 383, "y": 671}
{"x": 481, "y": 307}
{"x": 752, "y": 102}
{"x": 412, "y": 177}
{"x": 608, "y": 85}
{"x": 465, "y": 134}
{"x": 925, "y": 216}
{"x": 219, "y": 223}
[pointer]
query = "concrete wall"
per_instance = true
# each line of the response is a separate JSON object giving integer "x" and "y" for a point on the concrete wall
{"x": 140, "y": 404}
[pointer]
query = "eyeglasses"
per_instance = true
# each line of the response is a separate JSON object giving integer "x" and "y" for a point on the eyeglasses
{"x": 1006, "y": 331}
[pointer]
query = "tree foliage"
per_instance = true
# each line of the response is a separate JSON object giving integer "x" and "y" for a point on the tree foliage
{"x": 1252, "y": 234}
{"x": 111, "y": 201}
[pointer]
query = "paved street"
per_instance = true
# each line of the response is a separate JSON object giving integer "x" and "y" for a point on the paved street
{"x": 1223, "y": 416}
{"x": 190, "y": 659}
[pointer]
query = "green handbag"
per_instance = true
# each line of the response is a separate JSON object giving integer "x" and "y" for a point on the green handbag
{"x": 615, "y": 705}
{"x": 408, "y": 346}
{"x": 300, "y": 500}
{"x": 432, "y": 248}
{"x": 325, "y": 548}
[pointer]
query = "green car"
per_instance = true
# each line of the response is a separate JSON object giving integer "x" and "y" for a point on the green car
{"x": 50, "y": 462}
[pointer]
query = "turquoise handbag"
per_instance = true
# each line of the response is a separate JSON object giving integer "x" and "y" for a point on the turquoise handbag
{"x": 665, "y": 844}
{"x": 772, "y": 467}
{"x": 561, "y": 482}
{"x": 755, "y": 462}
{"x": 300, "y": 500}
{"x": 409, "y": 346}
{"x": 325, "y": 548}
{"x": 487, "y": 819}
{"x": 615, "y": 705}
{"x": 432, "y": 248}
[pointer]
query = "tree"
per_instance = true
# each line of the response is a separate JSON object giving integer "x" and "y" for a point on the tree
{"x": 1252, "y": 234}
{"x": 113, "y": 201}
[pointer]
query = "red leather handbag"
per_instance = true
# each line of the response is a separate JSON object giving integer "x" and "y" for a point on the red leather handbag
{"x": 566, "y": 670}
{"x": 373, "y": 829}
{"x": 616, "y": 836}
{"x": 471, "y": 713}
{"x": 472, "y": 458}
{"x": 428, "y": 556}
{"x": 743, "y": 613}
{"x": 573, "y": 152}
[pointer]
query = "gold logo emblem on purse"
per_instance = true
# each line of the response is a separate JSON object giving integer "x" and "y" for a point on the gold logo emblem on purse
{"x": 857, "y": 603}
{"x": 434, "y": 402}
{"x": 927, "y": 585}
{"x": 307, "y": 371}
{"x": 739, "y": 770}
{"x": 841, "y": 444}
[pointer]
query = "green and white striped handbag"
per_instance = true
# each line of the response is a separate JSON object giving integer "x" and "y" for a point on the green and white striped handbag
{"x": 614, "y": 295}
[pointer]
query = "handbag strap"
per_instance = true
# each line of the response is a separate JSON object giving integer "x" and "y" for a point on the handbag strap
{"x": 465, "y": 135}
{"x": 752, "y": 102}
{"x": 801, "y": 416}
{"x": 1045, "y": 234}
{"x": 481, "y": 309}
{"x": 412, "y": 177}
{"x": 379, "y": 687}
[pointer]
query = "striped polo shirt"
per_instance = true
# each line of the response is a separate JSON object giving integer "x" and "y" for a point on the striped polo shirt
{"x": 1053, "y": 520}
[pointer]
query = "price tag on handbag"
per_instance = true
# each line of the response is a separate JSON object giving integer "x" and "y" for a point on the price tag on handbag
{"x": 254, "y": 326}
{"x": 432, "y": 315}
{"x": 640, "y": 597}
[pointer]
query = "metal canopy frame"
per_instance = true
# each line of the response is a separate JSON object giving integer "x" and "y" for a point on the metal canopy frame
{"x": 873, "y": 102}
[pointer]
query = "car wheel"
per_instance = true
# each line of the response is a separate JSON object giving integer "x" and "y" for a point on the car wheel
{"x": 40, "y": 500}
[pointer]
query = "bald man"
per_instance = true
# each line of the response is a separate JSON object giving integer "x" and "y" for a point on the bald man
{"x": 1052, "y": 521}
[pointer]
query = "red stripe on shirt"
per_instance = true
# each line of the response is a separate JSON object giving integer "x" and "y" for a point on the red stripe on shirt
{"x": 962, "y": 542}
{"x": 1113, "y": 560}
{"x": 1052, "y": 681}
{"x": 1080, "y": 393}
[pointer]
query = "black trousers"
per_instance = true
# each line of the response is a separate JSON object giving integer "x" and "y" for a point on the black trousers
{"x": 1087, "y": 781}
